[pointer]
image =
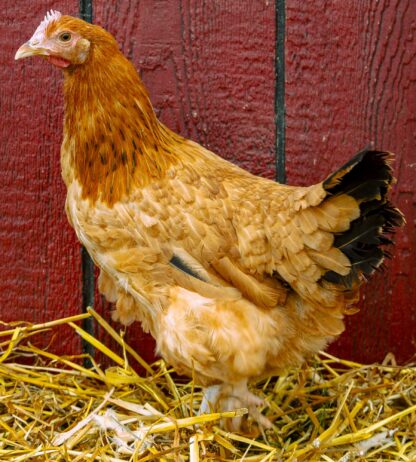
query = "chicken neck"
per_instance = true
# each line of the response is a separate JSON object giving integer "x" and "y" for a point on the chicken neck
{"x": 113, "y": 140}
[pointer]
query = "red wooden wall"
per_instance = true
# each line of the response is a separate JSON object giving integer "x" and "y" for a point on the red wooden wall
{"x": 351, "y": 79}
{"x": 209, "y": 67}
{"x": 39, "y": 256}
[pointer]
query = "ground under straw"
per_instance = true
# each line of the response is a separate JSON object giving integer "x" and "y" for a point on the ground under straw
{"x": 54, "y": 409}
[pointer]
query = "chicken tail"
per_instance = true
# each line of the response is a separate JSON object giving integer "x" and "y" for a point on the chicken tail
{"x": 367, "y": 177}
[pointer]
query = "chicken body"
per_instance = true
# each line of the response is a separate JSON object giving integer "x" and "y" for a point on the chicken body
{"x": 233, "y": 275}
{"x": 188, "y": 256}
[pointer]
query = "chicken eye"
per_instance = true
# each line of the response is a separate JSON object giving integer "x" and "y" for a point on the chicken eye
{"x": 65, "y": 37}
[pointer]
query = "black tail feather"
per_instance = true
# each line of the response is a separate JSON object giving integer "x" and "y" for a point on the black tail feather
{"x": 367, "y": 177}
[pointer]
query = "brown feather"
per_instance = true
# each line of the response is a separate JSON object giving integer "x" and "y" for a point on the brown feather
{"x": 261, "y": 294}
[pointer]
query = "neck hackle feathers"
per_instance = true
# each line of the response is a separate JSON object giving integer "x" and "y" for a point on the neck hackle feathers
{"x": 112, "y": 135}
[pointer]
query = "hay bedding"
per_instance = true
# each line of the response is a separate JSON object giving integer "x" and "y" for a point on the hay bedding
{"x": 54, "y": 409}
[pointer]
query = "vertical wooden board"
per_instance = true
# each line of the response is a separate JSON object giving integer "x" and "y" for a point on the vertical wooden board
{"x": 39, "y": 256}
{"x": 209, "y": 68}
{"x": 351, "y": 79}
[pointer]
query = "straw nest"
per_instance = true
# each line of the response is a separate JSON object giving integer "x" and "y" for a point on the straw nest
{"x": 54, "y": 409}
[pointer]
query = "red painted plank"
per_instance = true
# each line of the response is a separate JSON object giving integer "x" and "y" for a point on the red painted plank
{"x": 351, "y": 79}
{"x": 39, "y": 257}
{"x": 209, "y": 67}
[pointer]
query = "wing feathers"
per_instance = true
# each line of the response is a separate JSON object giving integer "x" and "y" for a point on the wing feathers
{"x": 333, "y": 259}
{"x": 319, "y": 240}
{"x": 260, "y": 294}
{"x": 307, "y": 221}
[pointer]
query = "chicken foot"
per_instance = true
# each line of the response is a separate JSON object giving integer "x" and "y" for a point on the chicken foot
{"x": 228, "y": 397}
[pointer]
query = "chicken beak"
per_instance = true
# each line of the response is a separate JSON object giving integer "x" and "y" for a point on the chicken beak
{"x": 27, "y": 50}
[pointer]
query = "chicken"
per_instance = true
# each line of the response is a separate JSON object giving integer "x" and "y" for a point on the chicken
{"x": 234, "y": 275}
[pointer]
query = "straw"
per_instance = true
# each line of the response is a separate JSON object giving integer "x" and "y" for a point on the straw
{"x": 52, "y": 408}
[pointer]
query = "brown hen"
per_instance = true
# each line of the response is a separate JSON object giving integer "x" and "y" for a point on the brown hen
{"x": 234, "y": 275}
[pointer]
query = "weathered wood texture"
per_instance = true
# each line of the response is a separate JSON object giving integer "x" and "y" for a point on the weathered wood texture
{"x": 209, "y": 68}
{"x": 351, "y": 79}
{"x": 39, "y": 256}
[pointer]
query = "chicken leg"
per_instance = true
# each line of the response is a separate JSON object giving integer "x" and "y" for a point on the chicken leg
{"x": 229, "y": 397}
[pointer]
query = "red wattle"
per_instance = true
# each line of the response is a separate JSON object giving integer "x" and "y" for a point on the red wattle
{"x": 59, "y": 62}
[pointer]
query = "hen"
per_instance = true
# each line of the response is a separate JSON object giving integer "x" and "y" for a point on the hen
{"x": 234, "y": 275}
